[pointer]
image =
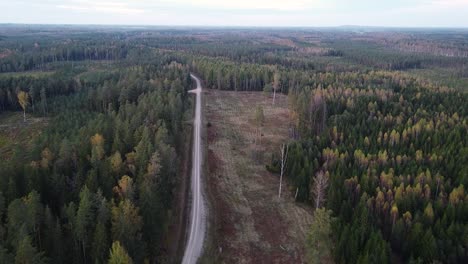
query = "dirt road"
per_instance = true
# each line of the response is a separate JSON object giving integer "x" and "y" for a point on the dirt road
{"x": 194, "y": 246}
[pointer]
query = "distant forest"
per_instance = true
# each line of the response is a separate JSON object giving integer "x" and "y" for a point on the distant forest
{"x": 378, "y": 136}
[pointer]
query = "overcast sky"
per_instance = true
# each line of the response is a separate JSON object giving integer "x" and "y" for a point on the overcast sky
{"x": 399, "y": 13}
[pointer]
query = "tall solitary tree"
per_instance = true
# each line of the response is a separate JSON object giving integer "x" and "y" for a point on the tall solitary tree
{"x": 284, "y": 158}
{"x": 23, "y": 99}
{"x": 276, "y": 85}
{"x": 319, "y": 186}
{"x": 259, "y": 120}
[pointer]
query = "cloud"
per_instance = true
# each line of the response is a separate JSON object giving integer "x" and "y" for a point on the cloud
{"x": 436, "y": 6}
{"x": 278, "y": 5}
{"x": 449, "y": 3}
{"x": 102, "y": 7}
{"x": 239, "y": 12}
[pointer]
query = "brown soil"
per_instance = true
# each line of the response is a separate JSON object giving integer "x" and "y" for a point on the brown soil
{"x": 251, "y": 224}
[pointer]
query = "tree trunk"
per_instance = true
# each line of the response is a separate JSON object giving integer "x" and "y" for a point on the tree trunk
{"x": 84, "y": 250}
{"x": 274, "y": 95}
{"x": 319, "y": 188}
{"x": 284, "y": 156}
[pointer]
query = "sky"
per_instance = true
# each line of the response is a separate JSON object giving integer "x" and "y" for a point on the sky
{"x": 261, "y": 13}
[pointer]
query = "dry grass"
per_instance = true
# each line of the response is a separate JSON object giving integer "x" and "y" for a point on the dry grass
{"x": 252, "y": 224}
{"x": 14, "y": 132}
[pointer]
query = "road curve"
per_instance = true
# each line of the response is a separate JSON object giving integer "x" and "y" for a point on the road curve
{"x": 196, "y": 235}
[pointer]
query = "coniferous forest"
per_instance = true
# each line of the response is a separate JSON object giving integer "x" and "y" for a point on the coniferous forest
{"x": 378, "y": 136}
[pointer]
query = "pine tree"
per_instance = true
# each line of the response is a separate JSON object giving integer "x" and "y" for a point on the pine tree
{"x": 43, "y": 96}
{"x": 2, "y": 205}
{"x": 35, "y": 213}
{"x": 143, "y": 151}
{"x": 26, "y": 253}
{"x": 101, "y": 238}
{"x": 5, "y": 256}
{"x": 152, "y": 210}
{"x": 53, "y": 237}
{"x": 127, "y": 225}
{"x": 84, "y": 219}
{"x": 18, "y": 222}
{"x": 319, "y": 242}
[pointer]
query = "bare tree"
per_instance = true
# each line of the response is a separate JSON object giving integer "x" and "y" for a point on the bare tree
{"x": 320, "y": 184}
{"x": 284, "y": 158}
{"x": 276, "y": 84}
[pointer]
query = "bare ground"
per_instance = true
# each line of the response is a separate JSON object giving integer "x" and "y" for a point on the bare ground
{"x": 251, "y": 224}
{"x": 14, "y": 131}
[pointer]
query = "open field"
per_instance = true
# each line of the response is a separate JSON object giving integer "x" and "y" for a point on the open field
{"x": 33, "y": 74}
{"x": 15, "y": 132}
{"x": 251, "y": 224}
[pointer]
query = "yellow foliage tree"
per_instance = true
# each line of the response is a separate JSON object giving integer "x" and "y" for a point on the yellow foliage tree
{"x": 116, "y": 162}
{"x": 46, "y": 158}
{"x": 118, "y": 254}
{"x": 457, "y": 195}
{"x": 394, "y": 213}
{"x": 125, "y": 189}
{"x": 23, "y": 99}
{"x": 97, "y": 153}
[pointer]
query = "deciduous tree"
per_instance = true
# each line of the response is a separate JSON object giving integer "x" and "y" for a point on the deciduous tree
{"x": 118, "y": 254}
{"x": 23, "y": 99}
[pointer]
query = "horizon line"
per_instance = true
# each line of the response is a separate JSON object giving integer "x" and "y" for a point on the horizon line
{"x": 232, "y": 26}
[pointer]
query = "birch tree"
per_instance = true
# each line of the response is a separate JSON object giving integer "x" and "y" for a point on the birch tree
{"x": 118, "y": 254}
{"x": 23, "y": 99}
{"x": 284, "y": 158}
{"x": 319, "y": 187}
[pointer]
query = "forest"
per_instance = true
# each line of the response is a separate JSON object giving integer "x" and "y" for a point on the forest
{"x": 378, "y": 137}
{"x": 99, "y": 180}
